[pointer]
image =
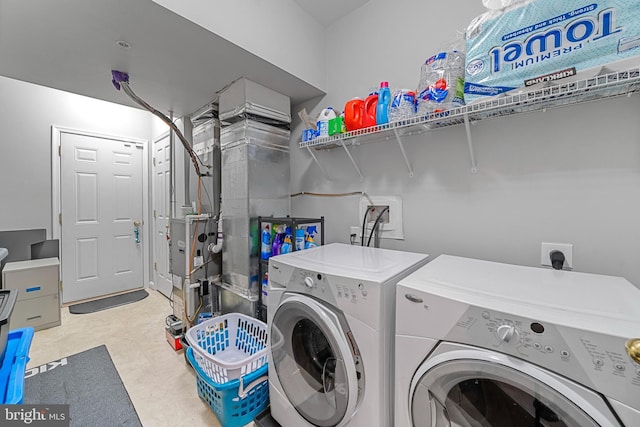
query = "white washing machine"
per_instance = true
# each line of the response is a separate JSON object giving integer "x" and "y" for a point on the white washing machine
{"x": 330, "y": 316}
{"x": 487, "y": 344}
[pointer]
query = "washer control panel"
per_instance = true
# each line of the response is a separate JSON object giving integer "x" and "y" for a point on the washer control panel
{"x": 597, "y": 361}
{"x": 334, "y": 288}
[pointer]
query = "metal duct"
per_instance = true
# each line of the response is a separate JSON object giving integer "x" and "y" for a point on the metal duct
{"x": 255, "y": 182}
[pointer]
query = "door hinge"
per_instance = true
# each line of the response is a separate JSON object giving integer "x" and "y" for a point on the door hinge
{"x": 59, "y": 150}
{"x": 154, "y": 161}
{"x": 60, "y": 218}
{"x": 61, "y": 284}
{"x": 155, "y": 266}
{"x": 155, "y": 214}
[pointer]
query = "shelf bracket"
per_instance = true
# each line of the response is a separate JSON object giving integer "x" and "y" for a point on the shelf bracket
{"x": 404, "y": 153}
{"x": 467, "y": 127}
{"x": 324, "y": 172}
{"x": 352, "y": 160}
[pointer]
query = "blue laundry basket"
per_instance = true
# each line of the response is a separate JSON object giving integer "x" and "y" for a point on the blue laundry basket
{"x": 13, "y": 365}
{"x": 236, "y": 402}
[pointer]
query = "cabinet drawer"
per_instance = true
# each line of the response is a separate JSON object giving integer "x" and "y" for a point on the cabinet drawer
{"x": 31, "y": 282}
{"x": 39, "y": 313}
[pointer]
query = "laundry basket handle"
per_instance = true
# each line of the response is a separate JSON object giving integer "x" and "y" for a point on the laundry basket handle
{"x": 242, "y": 393}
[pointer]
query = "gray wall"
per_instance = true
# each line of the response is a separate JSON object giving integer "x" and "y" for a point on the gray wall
{"x": 280, "y": 32}
{"x": 569, "y": 175}
{"x": 27, "y": 112}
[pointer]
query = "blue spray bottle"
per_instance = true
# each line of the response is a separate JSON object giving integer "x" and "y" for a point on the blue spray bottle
{"x": 265, "y": 250}
{"x": 310, "y": 242}
{"x": 286, "y": 246}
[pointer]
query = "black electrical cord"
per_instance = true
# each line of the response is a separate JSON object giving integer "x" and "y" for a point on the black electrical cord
{"x": 375, "y": 224}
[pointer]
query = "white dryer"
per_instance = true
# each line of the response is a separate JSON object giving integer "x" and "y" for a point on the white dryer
{"x": 486, "y": 344}
{"x": 330, "y": 317}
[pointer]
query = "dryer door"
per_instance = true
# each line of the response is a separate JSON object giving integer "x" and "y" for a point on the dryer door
{"x": 319, "y": 371}
{"x": 464, "y": 386}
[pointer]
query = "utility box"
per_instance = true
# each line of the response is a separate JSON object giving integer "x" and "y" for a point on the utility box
{"x": 203, "y": 230}
{"x": 244, "y": 98}
{"x": 37, "y": 283}
{"x": 190, "y": 261}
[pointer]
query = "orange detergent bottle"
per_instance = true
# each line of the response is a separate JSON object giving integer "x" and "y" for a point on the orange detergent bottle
{"x": 354, "y": 114}
{"x": 370, "y": 104}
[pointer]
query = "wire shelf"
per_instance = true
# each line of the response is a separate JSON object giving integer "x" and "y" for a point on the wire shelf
{"x": 576, "y": 92}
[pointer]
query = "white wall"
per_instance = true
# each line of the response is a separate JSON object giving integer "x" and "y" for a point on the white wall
{"x": 278, "y": 31}
{"x": 569, "y": 175}
{"x": 27, "y": 112}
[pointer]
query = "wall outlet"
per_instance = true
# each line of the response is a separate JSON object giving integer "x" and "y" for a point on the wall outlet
{"x": 357, "y": 231}
{"x": 565, "y": 248}
{"x": 392, "y": 228}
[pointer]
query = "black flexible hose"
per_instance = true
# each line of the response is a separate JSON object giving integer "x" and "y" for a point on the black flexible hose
{"x": 375, "y": 224}
{"x": 364, "y": 223}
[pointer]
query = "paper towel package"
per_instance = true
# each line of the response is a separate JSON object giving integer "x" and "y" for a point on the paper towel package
{"x": 549, "y": 42}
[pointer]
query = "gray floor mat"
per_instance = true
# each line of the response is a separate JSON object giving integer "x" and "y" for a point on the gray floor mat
{"x": 109, "y": 302}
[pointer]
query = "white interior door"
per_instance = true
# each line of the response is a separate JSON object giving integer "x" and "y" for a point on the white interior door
{"x": 161, "y": 183}
{"x": 101, "y": 203}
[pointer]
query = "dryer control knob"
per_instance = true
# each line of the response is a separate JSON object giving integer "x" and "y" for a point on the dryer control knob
{"x": 508, "y": 334}
{"x": 633, "y": 349}
{"x": 308, "y": 282}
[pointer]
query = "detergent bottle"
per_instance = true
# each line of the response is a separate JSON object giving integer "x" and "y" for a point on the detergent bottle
{"x": 277, "y": 241}
{"x": 370, "y": 106}
{"x": 382, "y": 109}
{"x": 265, "y": 289}
{"x": 300, "y": 239}
{"x": 265, "y": 251}
{"x": 310, "y": 242}
{"x": 323, "y": 121}
{"x": 336, "y": 125}
{"x": 353, "y": 114}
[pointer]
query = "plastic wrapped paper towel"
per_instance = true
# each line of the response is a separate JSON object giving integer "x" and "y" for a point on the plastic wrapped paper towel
{"x": 502, "y": 4}
{"x": 529, "y": 43}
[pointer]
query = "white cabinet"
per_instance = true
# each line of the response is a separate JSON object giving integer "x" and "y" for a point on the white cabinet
{"x": 37, "y": 282}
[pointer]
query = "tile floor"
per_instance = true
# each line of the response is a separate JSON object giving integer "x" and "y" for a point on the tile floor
{"x": 161, "y": 385}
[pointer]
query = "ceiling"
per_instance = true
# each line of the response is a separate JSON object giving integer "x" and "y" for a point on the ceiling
{"x": 173, "y": 64}
{"x": 328, "y": 11}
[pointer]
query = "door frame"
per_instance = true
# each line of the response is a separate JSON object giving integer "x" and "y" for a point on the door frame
{"x": 152, "y": 223}
{"x": 56, "y": 200}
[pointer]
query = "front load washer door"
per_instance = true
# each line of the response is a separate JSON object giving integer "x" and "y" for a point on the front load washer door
{"x": 316, "y": 361}
{"x": 467, "y": 387}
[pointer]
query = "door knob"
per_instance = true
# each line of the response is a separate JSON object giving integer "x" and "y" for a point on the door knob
{"x": 136, "y": 230}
